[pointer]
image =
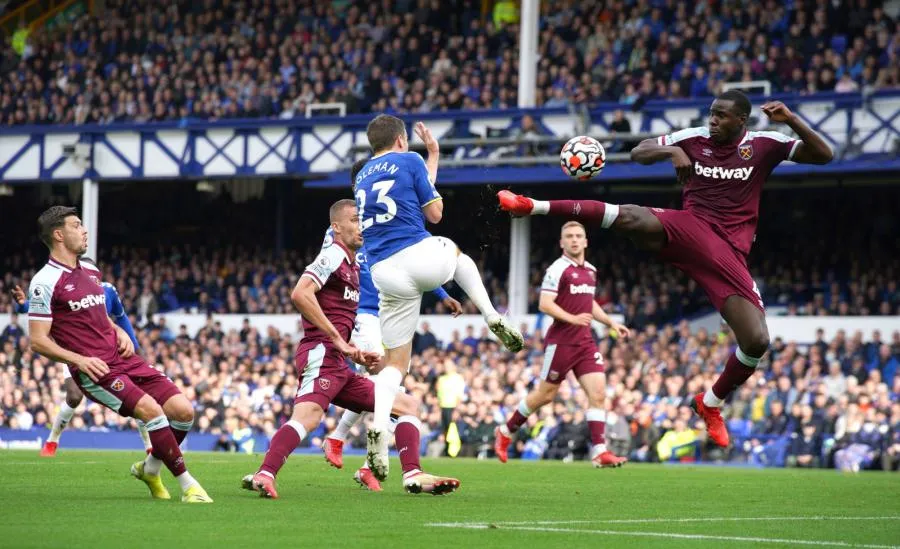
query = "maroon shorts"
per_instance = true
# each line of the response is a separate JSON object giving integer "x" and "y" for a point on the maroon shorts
{"x": 325, "y": 378}
{"x": 580, "y": 358}
{"x": 128, "y": 380}
{"x": 698, "y": 251}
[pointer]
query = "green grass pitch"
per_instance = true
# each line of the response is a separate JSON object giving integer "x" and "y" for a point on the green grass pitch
{"x": 88, "y": 500}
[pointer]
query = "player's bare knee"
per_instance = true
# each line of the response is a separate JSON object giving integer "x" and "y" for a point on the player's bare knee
{"x": 179, "y": 409}
{"x": 147, "y": 409}
{"x": 74, "y": 400}
{"x": 757, "y": 344}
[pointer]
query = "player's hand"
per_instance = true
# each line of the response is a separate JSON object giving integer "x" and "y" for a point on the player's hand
{"x": 777, "y": 112}
{"x": 349, "y": 350}
{"x": 126, "y": 346}
{"x": 682, "y": 165}
{"x": 431, "y": 144}
{"x": 621, "y": 330}
{"x": 583, "y": 319}
{"x": 18, "y": 294}
{"x": 368, "y": 359}
{"x": 93, "y": 367}
{"x": 454, "y": 306}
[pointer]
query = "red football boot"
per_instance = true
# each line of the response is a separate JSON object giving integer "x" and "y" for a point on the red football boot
{"x": 49, "y": 449}
{"x": 367, "y": 480}
{"x": 501, "y": 445}
{"x": 608, "y": 459}
{"x": 715, "y": 426}
{"x": 515, "y": 204}
{"x": 262, "y": 483}
{"x": 334, "y": 452}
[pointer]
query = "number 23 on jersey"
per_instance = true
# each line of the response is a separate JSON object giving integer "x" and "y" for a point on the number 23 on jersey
{"x": 384, "y": 207}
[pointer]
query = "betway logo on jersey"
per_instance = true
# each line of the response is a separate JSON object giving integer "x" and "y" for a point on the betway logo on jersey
{"x": 88, "y": 301}
{"x": 719, "y": 172}
{"x": 352, "y": 295}
{"x": 576, "y": 289}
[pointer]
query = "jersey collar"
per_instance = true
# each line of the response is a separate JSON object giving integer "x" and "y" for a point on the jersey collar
{"x": 350, "y": 257}
{"x": 60, "y": 265}
{"x": 571, "y": 261}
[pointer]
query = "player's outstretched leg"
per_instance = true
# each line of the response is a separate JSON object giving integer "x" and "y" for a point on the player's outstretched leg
{"x": 469, "y": 279}
{"x": 635, "y": 222}
{"x": 62, "y": 419}
{"x": 748, "y": 322}
{"x": 415, "y": 480}
{"x": 165, "y": 451}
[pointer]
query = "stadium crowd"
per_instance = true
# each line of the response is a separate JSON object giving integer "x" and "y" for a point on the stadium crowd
{"x": 140, "y": 60}
{"x": 835, "y": 402}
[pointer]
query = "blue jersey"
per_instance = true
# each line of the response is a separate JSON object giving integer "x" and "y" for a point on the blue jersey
{"x": 368, "y": 294}
{"x": 391, "y": 191}
{"x": 114, "y": 309}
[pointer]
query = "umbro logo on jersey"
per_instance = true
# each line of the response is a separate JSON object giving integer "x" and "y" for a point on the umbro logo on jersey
{"x": 87, "y": 301}
{"x": 69, "y": 287}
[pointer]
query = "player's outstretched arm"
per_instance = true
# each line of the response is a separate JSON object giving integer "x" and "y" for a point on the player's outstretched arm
{"x": 548, "y": 306}
{"x": 43, "y": 344}
{"x": 812, "y": 148}
{"x": 649, "y": 151}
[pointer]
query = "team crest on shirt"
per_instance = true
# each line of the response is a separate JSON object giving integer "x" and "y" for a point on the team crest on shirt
{"x": 574, "y": 275}
{"x": 117, "y": 385}
{"x": 324, "y": 383}
{"x": 96, "y": 280}
{"x": 746, "y": 151}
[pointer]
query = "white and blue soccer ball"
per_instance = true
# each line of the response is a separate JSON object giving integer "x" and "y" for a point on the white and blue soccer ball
{"x": 582, "y": 158}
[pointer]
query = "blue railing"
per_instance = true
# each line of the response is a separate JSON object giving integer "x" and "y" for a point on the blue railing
{"x": 864, "y": 130}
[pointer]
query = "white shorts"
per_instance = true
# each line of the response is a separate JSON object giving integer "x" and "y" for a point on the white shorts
{"x": 401, "y": 280}
{"x": 66, "y": 373}
{"x": 367, "y": 335}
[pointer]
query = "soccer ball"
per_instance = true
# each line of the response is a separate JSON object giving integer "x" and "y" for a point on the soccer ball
{"x": 582, "y": 158}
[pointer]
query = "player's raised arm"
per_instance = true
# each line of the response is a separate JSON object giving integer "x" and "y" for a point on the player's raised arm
{"x": 434, "y": 150}
{"x": 812, "y": 149}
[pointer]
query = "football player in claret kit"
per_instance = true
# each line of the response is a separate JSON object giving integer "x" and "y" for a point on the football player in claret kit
{"x": 567, "y": 295}
{"x": 74, "y": 396}
{"x": 723, "y": 167}
{"x": 327, "y": 296}
{"x": 68, "y": 323}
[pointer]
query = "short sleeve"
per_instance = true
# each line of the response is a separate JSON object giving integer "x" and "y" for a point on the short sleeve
{"x": 40, "y": 297}
{"x": 680, "y": 137}
{"x": 781, "y": 146}
{"x": 326, "y": 263}
{"x": 425, "y": 189}
{"x": 552, "y": 279}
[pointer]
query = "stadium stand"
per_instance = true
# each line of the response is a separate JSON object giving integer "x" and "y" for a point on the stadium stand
{"x": 147, "y": 61}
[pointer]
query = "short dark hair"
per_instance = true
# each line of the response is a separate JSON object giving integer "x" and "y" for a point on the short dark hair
{"x": 336, "y": 208}
{"x": 53, "y": 218}
{"x": 354, "y": 171}
{"x": 383, "y": 130}
{"x": 741, "y": 102}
